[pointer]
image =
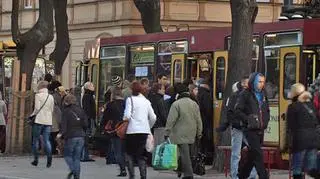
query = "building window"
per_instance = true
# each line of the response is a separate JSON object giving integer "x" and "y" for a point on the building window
{"x": 27, "y": 4}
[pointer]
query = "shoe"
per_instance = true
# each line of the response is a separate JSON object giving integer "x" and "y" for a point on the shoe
{"x": 34, "y": 163}
{"x": 122, "y": 174}
{"x": 69, "y": 176}
{"x": 49, "y": 162}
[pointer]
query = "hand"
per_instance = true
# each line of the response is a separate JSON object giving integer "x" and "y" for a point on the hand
{"x": 59, "y": 136}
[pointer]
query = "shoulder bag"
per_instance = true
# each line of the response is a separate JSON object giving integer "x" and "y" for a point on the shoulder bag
{"x": 32, "y": 118}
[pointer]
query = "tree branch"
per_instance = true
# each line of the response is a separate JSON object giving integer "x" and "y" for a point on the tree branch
{"x": 62, "y": 44}
{"x": 15, "y": 22}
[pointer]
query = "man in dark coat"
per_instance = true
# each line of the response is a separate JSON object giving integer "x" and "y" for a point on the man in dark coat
{"x": 205, "y": 102}
{"x": 253, "y": 110}
{"x": 89, "y": 106}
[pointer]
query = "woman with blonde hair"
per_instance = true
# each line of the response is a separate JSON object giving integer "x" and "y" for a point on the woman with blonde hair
{"x": 303, "y": 131}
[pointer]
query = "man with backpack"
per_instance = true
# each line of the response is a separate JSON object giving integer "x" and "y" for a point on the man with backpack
{"x": 237, "y": 137}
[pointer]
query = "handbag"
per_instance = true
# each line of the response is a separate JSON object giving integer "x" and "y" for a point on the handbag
{"x": 198, "y": 159}
{"x": 32, "y": 118}
{"x": 254, "y": 122}
{"x": 165, "y": 157}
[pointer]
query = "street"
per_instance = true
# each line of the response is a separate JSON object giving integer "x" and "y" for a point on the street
{"x": 20, "y": 168}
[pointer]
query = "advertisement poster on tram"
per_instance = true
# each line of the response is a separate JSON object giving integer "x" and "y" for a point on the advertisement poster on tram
{"x": 271, "y": 134}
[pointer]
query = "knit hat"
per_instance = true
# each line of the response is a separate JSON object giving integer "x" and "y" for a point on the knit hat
{"x": 116, "y": 80}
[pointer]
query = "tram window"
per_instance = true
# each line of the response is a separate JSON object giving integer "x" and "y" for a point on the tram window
{"x": 311, "y": 66}
{"x": 112, "y": 64}
{"x": 283, "y": 39}
{"x": 191, "y": 72}
{"x": 177, "y": 71}
{"x": 173, "y": 47}
{"x": 220, "y": 77}
{"x": 272, "y": 73}
{"x": 77, "y": 75}
{"x": 289, "y": 73}
{"x": 164, "y": 65}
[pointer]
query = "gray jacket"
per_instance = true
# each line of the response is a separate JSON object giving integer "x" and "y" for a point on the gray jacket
{"x": 3, "y": 112}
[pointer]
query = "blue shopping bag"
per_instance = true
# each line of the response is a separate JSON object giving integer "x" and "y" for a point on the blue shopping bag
{"x": 165, "y": 157}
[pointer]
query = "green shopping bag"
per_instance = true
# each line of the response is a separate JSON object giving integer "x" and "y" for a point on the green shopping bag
{"x": 165, "y": 157}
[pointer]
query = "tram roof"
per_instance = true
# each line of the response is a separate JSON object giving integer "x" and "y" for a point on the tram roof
{"x": 214, "y": 38}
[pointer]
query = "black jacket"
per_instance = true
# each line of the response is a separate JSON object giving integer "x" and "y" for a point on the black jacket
{"x": 74, "y": 122}
{"x": 206, "y": 107}
{"x": 232, "y": 118}
{"x": 302, "y": 127}
{"x": 88, "y": 104}
{"x": 160, "y": 109}
{"x": 114, "y": 112}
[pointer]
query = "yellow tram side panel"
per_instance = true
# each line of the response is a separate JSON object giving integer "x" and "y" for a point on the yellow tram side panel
{"x": 217, "y": 103}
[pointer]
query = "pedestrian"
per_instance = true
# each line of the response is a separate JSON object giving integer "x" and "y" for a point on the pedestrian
{"x": 3, "y": 113}
{"x": 56, "y": 116}
{"x": 89, "y": 106}
{"x": 73, "y": 127}
{"x": 113, "y": 115}
{"x": 183, "y": 126}
{"x": 303, "y": 132}
{"x": 141, "y": 118}
{"x": 237, "y": 138}
{"x": 252, "y": 108}
{"x": 205, "y": 102}
{"x": 145, "y": 86}
{"x": 160, "y": 109}
{"x": 44, "y": 105}
{"x": 162, "y": 79}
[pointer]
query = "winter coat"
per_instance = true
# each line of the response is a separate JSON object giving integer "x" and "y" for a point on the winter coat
{"x": 206, "y": 108}
{"x": 302, "y": 125}
{"x": 232, "y": 118}
{"x": 44, "y": 116}
{"x": 89, "y": 104}
{"x": 113, "y": 112}
{"x": 56, "y": 116}
{"x": 160, "y": 109}
{"x": 74, "y": 122}
{"x": 184, "y": 122}
{"x": 248, "y": 106}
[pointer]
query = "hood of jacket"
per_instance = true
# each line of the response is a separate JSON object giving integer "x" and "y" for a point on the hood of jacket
{"x": 253, "y": 77}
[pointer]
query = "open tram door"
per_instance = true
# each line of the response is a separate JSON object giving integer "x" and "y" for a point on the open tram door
{"x": 289, "y": 75}
{"x": 177, "y": 68}
{"x": 220, "y": 66}
{"x": 93, "y": 74}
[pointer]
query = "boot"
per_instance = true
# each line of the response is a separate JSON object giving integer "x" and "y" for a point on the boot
{"x": 187, "y": 177}
{"x": 142, "y": 168}
{"x": 298, "y": 176}
{"x": 35, "y": 162}
{"x": 49, "y": 162}
{"x": 314, "y": 174}
{"x": 123, "y": 173}
{"x": 70, "y": 175}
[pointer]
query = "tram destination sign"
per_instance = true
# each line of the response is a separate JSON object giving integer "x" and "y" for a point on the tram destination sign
{"x": 142, "y": 57}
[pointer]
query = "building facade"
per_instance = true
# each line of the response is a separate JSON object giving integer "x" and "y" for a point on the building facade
{"x": 94, "y": 19}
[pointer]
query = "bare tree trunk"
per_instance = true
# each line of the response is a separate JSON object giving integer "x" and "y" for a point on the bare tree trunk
{"x": 244, "y": 13}
{"x": 150, "y": 15}
{"x": 62, "y": 44}
{"x": 30, "y": 43}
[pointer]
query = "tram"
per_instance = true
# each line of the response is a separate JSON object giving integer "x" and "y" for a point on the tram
{"x": 286, "y": 52}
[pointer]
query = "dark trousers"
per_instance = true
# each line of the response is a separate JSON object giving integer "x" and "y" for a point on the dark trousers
{"x": 53, "y": 142}
{"x": 119, "y": 152}
{"x": 255, "y": 156}
{"x": 2, "y": 139}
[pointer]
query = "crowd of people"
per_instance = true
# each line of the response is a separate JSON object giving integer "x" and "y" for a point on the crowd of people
{"x": 181, "y": 113}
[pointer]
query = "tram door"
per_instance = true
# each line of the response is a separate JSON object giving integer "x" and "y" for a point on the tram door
{"x": 289, "y": 75}
{"x": 177, "y": 68}
{"x": 93, "y": 74}
{"x": 220, "y": 66}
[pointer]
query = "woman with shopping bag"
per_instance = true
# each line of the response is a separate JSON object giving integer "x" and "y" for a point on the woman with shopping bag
{"x": 183, "y": 126}
{"x": 141, "y": 117}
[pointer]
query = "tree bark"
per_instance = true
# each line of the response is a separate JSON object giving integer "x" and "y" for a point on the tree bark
{"x": 244, "y": 13}
{"x": 31, "y": 42}
{"x": 150, "y": 15}
{"x": 62, "y": 46}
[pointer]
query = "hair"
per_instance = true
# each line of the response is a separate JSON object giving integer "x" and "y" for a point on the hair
{"x": 70, "y": 99}
{"x": 48, "y": 77}
{"x": 144, "y": 81}
{"x": 180, "y": 88}
{"x": 136, "y": 88}
{"x": 156, "y": 87}
{"x": 86, "y": 85}
{"x": 54, "y": 85}
{"x": 42, "y": 84}
{"x": 159, "y": 76}
{"x": 116, "y": 92}
{"x": 187, "y": 81}
{"x": 245, "y": 77}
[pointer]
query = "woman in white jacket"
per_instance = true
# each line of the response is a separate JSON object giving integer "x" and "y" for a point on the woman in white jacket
{"x": 43, "y": 108}
{"x": 141, "y": 118}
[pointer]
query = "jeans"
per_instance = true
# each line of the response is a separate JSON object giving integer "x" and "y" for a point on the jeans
{"x": 72, "y": 154}
{"x": 236, "y": 142}
{"x": 306, "y": 159}
{"x": 85, "y": 150}
{"x": 119, "y": 152}
{"x": 44, "y": 130}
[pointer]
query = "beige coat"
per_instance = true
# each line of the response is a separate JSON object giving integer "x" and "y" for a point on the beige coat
{"x": 44, "y": 116}
{"x": 184, "y": 122}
